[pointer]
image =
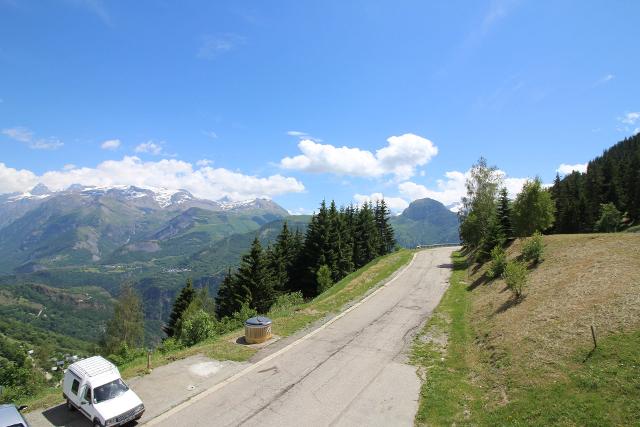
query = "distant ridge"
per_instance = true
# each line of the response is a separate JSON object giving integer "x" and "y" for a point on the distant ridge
{"x": 425, "y": 222}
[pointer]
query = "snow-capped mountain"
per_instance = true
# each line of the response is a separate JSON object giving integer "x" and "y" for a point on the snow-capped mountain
{"x": 84, "y": 224}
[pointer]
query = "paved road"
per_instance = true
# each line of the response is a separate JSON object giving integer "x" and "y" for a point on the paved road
{"x": 352, "y": 371}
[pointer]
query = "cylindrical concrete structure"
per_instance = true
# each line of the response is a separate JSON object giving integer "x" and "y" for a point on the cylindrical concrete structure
{"x": 257, "y": 330}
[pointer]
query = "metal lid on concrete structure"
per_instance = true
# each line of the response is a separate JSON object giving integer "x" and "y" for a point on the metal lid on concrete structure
{"x": 258, "y": 321}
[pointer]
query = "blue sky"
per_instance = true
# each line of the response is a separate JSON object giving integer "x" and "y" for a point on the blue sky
{"x": 302, "y": 100}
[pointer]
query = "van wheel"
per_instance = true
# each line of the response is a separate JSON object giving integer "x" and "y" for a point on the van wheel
{"x": 96, "y": 423}
{"x": 70, "y": 405}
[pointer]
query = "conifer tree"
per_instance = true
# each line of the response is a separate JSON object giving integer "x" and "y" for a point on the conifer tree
{"x": 504, "y": 214}
{"x": 254, "y": 274}
{"x": 366, "y": 237}
{"x": 179, "y": 306}
{"x": 386, "y": 237}
{"x": 344, "y": 246}
{"x": 316, "y": 249}
{"x": 231, "y": 296}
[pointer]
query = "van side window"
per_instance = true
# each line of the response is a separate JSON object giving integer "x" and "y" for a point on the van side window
{"x": 87, "y": 395}
{"x": 74, "y": 387}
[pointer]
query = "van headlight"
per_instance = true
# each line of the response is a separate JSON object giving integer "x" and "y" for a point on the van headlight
{"x": 111, "y": 421}
{"x": 139, "y": 408}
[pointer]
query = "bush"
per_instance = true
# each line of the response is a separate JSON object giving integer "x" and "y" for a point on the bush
{"x": 169, "y": 345}
{"x": 323, "y": 277}
{"x": 515, "y": 275}
{"x": 533, "y": 248}
{"x": 498, "y": 262}
{"x": 125, "y": 354}
{"x": 197, "y": 327}
{"x": 228, "y": 324}
{"x": 286, "y": 303}
{"x": 610, "y": 218}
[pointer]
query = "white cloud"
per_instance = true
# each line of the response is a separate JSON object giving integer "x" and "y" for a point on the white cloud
{"x": 204, "y": 162}
{"x": 299, "y": 211}
{"x": 303, "y": 135}
{"x": 606, "y": 78}
{"x": 13, "y": 180}
{"x": 110, "y": 144}
{"x": 400, "y": 157}
{"x": 26, "y": 136}
{"x": 566, "y": 169}
{"x": 206, "y": 182}
{"x": 213, "y": 46}
{"x": 69, "y": 166}
{"x": 395, "y": 204}
{"x": 450, "y": 191}
{"x": 211, "y": 134}
{"x": 630, "y": 118}
{"x": 19, "y": 134}
{"x": 149, "y": 147}
{"x": 297, "y": 133}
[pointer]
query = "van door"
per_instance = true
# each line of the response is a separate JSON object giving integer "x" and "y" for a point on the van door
{"x": 86, "y": 402}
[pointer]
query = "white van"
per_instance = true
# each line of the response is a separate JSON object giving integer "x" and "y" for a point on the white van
{"x": 94, "y": 387}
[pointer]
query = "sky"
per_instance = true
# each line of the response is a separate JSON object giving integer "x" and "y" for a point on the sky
{"x": 301, "y": 101}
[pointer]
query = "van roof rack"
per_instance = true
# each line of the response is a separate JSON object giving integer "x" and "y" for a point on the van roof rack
{"x": 92, "y": 366}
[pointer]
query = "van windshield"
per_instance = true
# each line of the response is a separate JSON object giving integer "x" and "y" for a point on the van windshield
{"x": 109, "y": 390}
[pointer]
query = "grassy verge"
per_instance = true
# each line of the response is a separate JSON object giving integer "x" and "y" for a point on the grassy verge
{"x": 440, "y": 352}
{"x": 476, "y": 372}
{"x": 286, "y": 321}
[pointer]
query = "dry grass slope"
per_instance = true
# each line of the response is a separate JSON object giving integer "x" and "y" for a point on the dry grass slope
{"x": 584, "y": 280}
{"x": 530, "y": 362}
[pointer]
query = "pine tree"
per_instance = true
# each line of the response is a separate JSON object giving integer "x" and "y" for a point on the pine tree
{"x": 504, "y": 214}
{"x": 316, "y": 249}
{"x": 127, "y": 324}
{"x": 179, "y": 306}
{"x": 344, "y": 251}
{"x": 386, "y": 236}
{"x": 366, "y": 236}
{"x": 231, "y": 296}
{"x": 254, "y": 274}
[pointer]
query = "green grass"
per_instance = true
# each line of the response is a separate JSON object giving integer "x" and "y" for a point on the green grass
{"x": 601, "y": 388}
{"x": 446, "y": 395}
{"x": 285, "y": 322}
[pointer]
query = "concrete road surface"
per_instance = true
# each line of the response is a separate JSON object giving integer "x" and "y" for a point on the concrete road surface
{"x": 351, "y": 371}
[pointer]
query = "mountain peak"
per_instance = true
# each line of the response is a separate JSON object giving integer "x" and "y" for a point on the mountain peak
{"x": 421, "y": 209}
{"x": 40, "y": 190}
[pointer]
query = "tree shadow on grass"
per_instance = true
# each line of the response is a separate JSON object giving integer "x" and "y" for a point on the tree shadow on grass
{"x": 479, "y": 281}
{"x": 511, "y": 302}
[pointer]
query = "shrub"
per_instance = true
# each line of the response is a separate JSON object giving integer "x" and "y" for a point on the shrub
{"x": 610, "y": 218}
{"x": 196, "y": 328}
{"x": 228, "y": 324}
{"x": 286, "y": 303}
{"x": 533, "y": 248}
{"x": 498, "y": 262}
{"x": 515, "y": 275}
{"x": 323, "y": 277}
{"x": 169, "y": 345}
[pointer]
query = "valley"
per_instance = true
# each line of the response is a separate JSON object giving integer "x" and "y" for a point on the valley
{"x": 88, "y": 241}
